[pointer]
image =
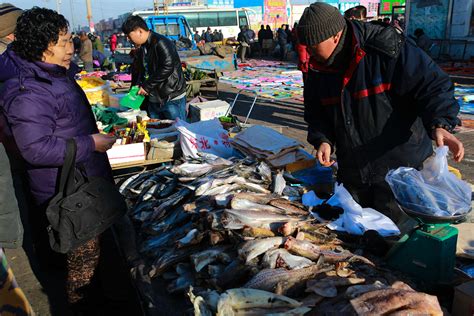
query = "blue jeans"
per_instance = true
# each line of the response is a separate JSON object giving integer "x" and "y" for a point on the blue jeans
{"x": 170, "y": 110}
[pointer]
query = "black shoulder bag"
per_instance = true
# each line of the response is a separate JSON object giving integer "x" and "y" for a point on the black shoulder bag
{"x": 83, "y": 208}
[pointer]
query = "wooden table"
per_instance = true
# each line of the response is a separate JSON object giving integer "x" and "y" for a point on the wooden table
{"x": 130, "y": 168}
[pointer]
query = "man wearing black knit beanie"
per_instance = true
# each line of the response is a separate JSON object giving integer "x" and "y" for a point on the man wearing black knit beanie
{"x": 376, "y": 100}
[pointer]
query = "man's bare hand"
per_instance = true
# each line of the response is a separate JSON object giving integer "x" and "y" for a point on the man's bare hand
{"x": 142, "y": 92}
{"x": 324, "y": 155}
{"x": 443, "y": 137}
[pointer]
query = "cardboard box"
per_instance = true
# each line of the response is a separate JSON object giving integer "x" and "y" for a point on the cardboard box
{"x": 126, "y": 153}
{"x": 463, "y": 304}
{"x": 208, "y": 110}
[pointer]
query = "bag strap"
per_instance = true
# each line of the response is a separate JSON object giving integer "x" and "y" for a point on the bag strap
{"x": 66, "y": 182}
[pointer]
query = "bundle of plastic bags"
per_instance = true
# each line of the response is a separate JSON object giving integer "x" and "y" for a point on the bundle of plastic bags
{"x": 434, "y": 190}
{"x": 355, "y": 219}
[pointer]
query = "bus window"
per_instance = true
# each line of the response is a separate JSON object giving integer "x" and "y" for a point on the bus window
{"x": 208, "y": 19}
{"x": 243, "y": 18}
{"x": 193, "y": 19}
{"x": 228, "y": 18}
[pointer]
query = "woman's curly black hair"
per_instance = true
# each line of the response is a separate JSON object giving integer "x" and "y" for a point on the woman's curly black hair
{"x": 35, "y": 30}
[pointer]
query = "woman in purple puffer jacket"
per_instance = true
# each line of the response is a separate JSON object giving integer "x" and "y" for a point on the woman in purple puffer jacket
{"x": 42, "y": 107}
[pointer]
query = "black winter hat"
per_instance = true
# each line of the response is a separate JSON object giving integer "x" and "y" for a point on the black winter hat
{"x": 319, "y": 22}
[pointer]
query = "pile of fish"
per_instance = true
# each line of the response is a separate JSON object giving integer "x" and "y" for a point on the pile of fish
{"x": 225, "y": 232}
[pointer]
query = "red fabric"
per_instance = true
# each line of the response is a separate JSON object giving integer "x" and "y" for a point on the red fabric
{"x": 374, "y": 90}
{"x": 303, "y": 57}
{"x": 113, "y": 42}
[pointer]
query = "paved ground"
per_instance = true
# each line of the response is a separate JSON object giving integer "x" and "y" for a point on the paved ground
{"x": 266, "y": 112}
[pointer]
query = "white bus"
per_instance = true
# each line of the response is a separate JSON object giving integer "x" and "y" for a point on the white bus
{"x": 199, "y": 18}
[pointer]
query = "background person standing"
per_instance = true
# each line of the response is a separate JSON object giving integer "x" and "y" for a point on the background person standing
{"x": 157, "y": 70}
{"x": 85, "y": 53}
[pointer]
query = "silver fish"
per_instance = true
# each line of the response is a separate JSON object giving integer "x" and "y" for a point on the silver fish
{"x": 181, "y": 284}
{"x": 255, "y": 197}
{"x": 279, "y": 183}
{"x": 240, "y": 298}
{"x": 127, "y": 182}
{"x": 191, "y": 169}
{"x": 199, "y": 304}
{"x": 237, "y": 219}
{"x": 191, "y": 238}
{"x": 203, "y": 258}
{"x": 254, "y": 248}
{"x": 264, "y": 171}
{"x": 279, "y": 257}
{"x": 214, "y": 183}
{"x": 239, "y": 204}
{"x": 170, "y": 258}
{"x": 149, "y": 194}
{"x": 224, "y": 199}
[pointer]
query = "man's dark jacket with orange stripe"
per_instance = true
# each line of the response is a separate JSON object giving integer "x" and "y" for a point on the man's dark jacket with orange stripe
{"x": 378, "y": 113}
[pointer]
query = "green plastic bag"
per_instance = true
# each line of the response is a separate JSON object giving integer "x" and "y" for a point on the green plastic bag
{"x": 132, "y": 99}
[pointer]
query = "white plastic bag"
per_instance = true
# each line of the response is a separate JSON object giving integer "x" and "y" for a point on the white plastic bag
{"x": 204, "y": 137}
{"x": 434, "y": 190}
{"x": 357, "y": 220}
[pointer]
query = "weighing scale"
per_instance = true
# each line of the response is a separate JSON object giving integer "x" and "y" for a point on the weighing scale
{"x": 428, "y": 251}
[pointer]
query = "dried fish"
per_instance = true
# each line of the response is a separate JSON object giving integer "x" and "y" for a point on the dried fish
{"x": 289, "y": 207}
{"x": 236, "y": 299}
{"x": 199, "y": 304}
{"x": 237, "y": 219}
{"x": 392, "y": 300}
{"x": 257, "y": 232}
{"x": 193, "y": 237}
{"x": 279, "y": 183}
{"x": 202, "y": 259}
{"x": 357, "y": 290}
{"x": 264, "y": 171}
{"x": 254, "y": 248}
{"x": 240, "y": 204}
{"x": 278, "y": 258}
{"x": 327, "y": 287}
{"x": 223, "y": 229}
{"x": 267, "y": 279}
{"x": 191, "y": 169}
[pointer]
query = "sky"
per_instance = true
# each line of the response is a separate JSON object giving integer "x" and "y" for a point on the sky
{"x": 75, "y": 10}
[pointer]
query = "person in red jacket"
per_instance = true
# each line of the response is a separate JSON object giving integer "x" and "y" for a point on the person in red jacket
{"x": 113, "y": 43}
{"x": 303, "y": 57}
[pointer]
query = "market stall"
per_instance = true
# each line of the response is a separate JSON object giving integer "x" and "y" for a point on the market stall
{"x": 242, "y": 234}
{"x": 235, "y": 219}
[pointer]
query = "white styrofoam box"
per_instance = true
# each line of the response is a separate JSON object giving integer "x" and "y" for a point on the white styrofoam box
{"x": 126, "y": 153}
{"x": 208, "y": 110}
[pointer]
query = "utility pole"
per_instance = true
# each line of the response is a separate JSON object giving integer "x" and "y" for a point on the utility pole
{"x": 58, "y": 6}
{"x": 89, "y": 16}
{"x": 71, "y": 6}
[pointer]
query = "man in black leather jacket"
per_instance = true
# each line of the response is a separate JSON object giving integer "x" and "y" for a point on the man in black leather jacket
{"x": 157, "y": 71}
{"x": 375, "y": 99}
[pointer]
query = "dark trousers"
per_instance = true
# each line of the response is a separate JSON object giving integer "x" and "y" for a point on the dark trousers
{"x": 283, "y": 51}
{"x": 243, "y": 51}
